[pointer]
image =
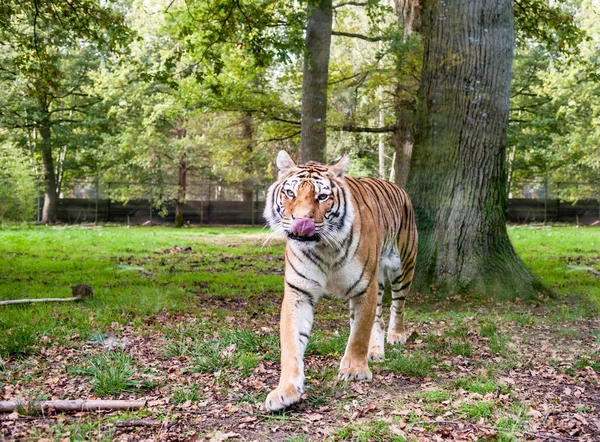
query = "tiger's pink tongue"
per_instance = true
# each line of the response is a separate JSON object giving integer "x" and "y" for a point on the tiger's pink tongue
{"x": 303, "y": 227}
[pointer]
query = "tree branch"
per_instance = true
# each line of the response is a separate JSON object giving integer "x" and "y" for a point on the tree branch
{"x": 341, "y": 5}
{"x": 374, "y": 130}
{"x": 353, "y": 35}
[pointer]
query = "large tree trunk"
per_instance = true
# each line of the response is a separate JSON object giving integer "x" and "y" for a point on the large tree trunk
{"x": 313, "y": 136}
{"x": 458, "y": 181}
{"x": 48, "y": 176}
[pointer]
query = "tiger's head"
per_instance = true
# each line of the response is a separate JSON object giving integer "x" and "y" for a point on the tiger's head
{"x": 309, "y": 203}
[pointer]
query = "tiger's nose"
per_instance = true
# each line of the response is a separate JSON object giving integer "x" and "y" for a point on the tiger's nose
{"x": 303, "y": 226}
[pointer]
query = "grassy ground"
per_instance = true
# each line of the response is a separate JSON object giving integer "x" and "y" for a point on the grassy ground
{"x": 188, "y": 319}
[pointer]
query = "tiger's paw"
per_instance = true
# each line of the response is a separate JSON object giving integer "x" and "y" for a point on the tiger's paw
{"x": 354, "y": 371}
{"x": 396, "y": 338}
{"x": 283, "y": 397}
{"x": 376, "y": 354}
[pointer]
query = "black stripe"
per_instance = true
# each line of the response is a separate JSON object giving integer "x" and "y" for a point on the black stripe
{"x": 297, "y": 272}
{"x": 311, "y": 299}
{"x": 347, "y": 242}
{"x": 362, "y": 292}
{"x": 358, "y": 193}
{"x": 319, "y": 265}
{"x": 402, "y": 287}
{"x": 359, "y": 278}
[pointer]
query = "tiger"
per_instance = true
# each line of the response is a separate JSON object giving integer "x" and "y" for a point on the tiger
{"x": 344, "y": 236}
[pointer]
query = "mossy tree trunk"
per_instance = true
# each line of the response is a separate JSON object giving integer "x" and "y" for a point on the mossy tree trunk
{"x": 457, "y": 180}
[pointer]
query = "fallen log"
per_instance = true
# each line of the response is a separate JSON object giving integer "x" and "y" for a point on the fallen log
{"x": 80, "y": 292}
{"x": 71, "y": 405}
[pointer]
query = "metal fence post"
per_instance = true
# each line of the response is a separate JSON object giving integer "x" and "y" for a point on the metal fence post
{"x": 545, "y": 199}
{"x": 557, "y": 201}
{"x": 96, "y": 212}
{"x": 108, "y": 203}
{"x": 38, "y": 203}
{"x": 151, "y": 198}
{"x": 208, "y": 206}
{"x": 254, "y": 192}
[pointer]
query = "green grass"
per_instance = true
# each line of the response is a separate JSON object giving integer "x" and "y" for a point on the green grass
{"x": 112, "y": 373}
{"x": 190, "y": 392}
{"x": 414, "y": 364}
{"x": 38, "y": 262}
{"x": 549, "y": 252}
{"x": 479, "y": 384}
{"x": 19, "y": 341}
{"x": 374, "y": 431}
{"x": 477, "y": 409}
{"x": 216, "y": 309}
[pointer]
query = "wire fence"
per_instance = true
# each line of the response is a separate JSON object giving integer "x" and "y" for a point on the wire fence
{"x": 568, "y": 191}
{"x": 214, "y": 202}
{"x": 205, "y": 202}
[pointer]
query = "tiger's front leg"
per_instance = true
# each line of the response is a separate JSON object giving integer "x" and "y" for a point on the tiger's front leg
{"x": 354, "y": 364}
{"x": 296, "y": 323}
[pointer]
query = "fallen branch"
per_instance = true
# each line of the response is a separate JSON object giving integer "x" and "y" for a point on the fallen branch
{"x": 80, "y": 292}
{"x": 73, "y": 405}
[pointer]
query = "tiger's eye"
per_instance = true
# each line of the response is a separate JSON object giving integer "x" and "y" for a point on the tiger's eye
{"x": 322, "y": 197}
{"x": 289, "y": 194}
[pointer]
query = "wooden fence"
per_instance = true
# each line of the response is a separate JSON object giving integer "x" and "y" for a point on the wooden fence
{"x": 250, "y": 212}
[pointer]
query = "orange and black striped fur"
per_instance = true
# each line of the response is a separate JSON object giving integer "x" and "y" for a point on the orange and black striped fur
{"x": 345, "y": 236}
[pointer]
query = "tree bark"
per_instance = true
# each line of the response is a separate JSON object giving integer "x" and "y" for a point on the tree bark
{"x": 48, "y": 175}
{"x": 313, "y": 135}
{"x": 408, "y": 12}
{"x": 458, "y": 179}
{"x": 182, "y": 170}
{"x": 181, "y": 190}
{"x": 403, "y": 141}
{"x": 248, "y": 137}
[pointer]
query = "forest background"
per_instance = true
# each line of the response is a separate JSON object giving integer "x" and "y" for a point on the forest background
{"x": 166, "y": 91}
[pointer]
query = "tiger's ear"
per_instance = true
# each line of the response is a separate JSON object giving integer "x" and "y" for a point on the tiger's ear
{"x": 284, "y": 162}
{"x": 338, "y": 167}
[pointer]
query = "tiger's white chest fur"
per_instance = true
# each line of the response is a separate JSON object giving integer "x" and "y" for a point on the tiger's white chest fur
{"x": 328, "y": 271}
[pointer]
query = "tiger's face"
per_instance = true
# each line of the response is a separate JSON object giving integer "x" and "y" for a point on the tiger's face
{"x": 309, "y": 203}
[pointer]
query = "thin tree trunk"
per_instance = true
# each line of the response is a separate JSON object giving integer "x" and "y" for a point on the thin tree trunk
{"x": 403, "y": 140}
{"x": 409, "y": 17}
{"x": 182, "y": 170}
{"x": 181, "y": 190}
{"x": 248, "y": 137}
{"x": 313, "y": 135}
{"x": 458, "y": 178}
{"x": 48, "y": 176}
